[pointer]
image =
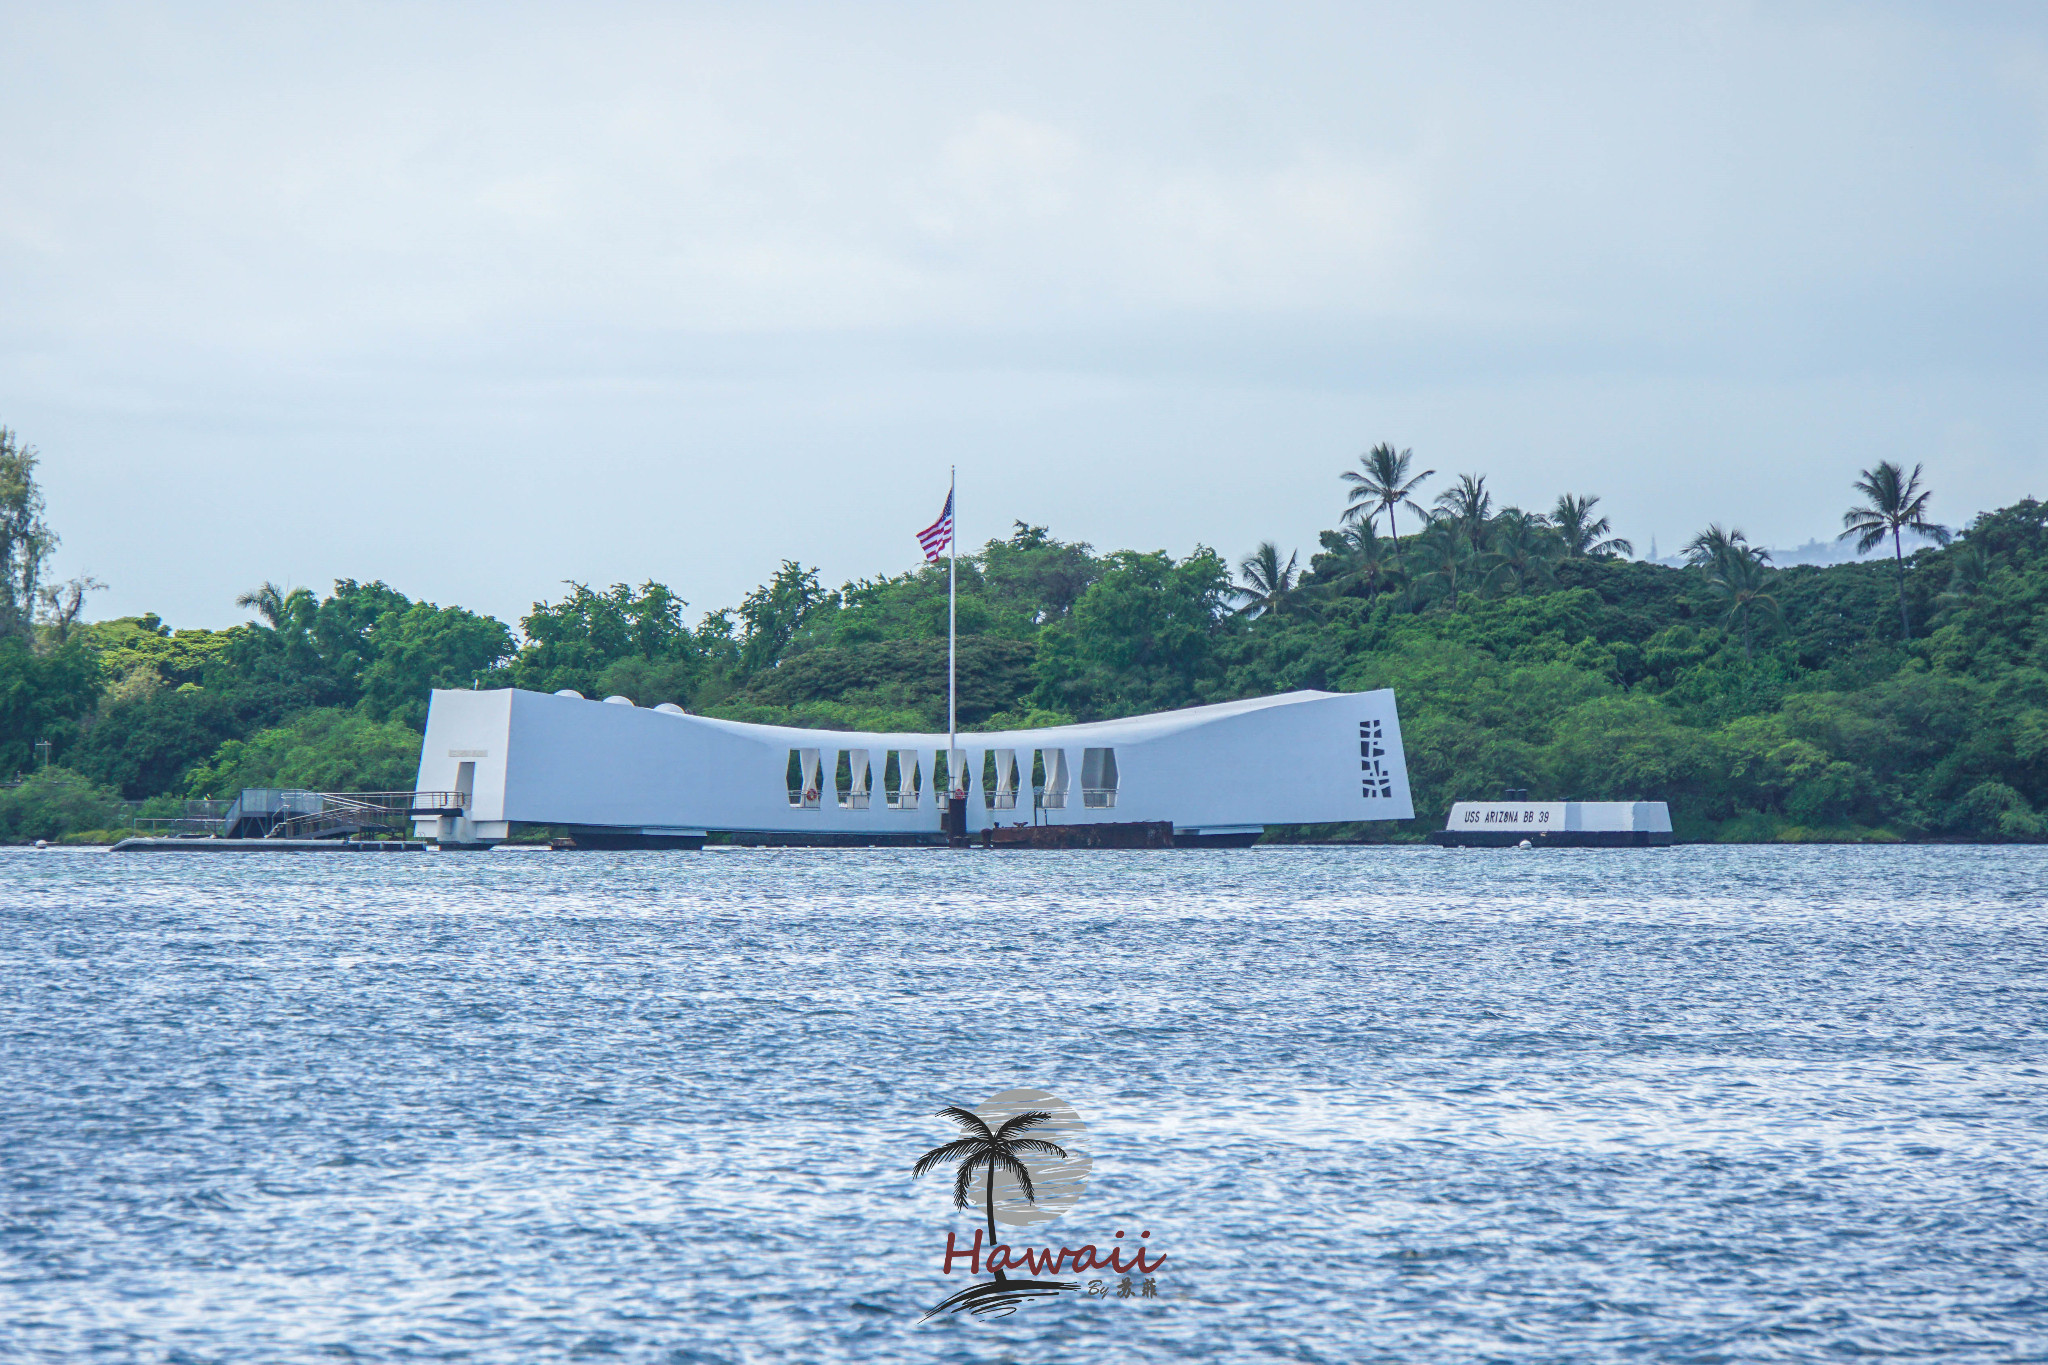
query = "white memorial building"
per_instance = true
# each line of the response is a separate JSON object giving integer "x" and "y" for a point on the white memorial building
{"x": 630, "y": 776}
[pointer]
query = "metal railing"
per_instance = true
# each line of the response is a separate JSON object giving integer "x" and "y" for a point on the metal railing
{"x": 340, "y": 813}
{"x": 157, "y": 825}
{"x": 347, "y": 813}
{"x": 200, "y": 817}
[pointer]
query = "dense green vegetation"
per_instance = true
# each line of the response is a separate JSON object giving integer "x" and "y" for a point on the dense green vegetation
{"x": 1896, "y": 698}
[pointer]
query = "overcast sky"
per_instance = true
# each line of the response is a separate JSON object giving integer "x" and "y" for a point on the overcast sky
{"x": 476, "y": 299}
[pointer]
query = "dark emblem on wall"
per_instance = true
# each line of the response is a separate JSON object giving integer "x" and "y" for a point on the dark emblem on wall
{"x": 1372, "y": 759}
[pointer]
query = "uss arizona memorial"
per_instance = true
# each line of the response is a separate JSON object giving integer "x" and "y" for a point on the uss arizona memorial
{"x": 632, "y": 776}
{"x": 621, "y": 775}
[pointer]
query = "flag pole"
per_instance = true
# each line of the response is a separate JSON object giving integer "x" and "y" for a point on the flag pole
{"x": 952, "y": 671}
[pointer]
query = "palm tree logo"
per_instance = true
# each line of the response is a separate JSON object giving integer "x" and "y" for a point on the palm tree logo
{"x": 997, "y": 1140}
{"x": 990, "y": 1149}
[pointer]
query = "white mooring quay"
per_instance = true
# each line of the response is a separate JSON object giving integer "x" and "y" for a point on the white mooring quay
{"x": 627, "y": 776}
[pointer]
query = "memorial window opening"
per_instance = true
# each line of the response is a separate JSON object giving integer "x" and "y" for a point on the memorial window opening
{"x": 900, "y": 779}
{"x": 999, "y": 779}
{"x": 1098, "y": 778}
{"x": 851, "y": 779}
{"x": 1050, "y": 778}
{"x": 804, "y": 776}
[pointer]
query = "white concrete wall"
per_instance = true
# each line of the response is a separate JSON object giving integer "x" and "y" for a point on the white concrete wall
{"x": 1541, "y": 816}
{"x": 1291, "y": 759}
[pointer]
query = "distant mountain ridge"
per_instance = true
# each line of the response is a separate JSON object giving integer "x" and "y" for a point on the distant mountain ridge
{"x": 1817, "y": 552}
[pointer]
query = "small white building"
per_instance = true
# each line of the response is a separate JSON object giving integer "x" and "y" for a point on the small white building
{"x": 626, "y": 775}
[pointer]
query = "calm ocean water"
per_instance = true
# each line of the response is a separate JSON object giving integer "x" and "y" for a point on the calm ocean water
{"x": 1725, "y": 1104}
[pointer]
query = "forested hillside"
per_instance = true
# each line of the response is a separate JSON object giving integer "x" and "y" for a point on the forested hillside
{"x": 1866, "y": 700}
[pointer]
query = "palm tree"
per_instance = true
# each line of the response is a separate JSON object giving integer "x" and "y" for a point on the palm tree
{"x": 1366, "y": 560}
{"x": 1967, "y": 579}
{"x": 1584, "y": 535}
{"x": 1714, "y": 546}
{"x": 1443, "y": 562}
{"x": 267, "y": 601}
{"x": 1469, "y": 504}
{"x": 1897, "y": 504}
{"x": 1740, "y": 582}
{"x": 1386, "y": 482}
{"x": 1268, "y": 582}
{"x": 998, "y": 1149}
{"x": 1525, "y": 550}
{"x": 63, "y": 602}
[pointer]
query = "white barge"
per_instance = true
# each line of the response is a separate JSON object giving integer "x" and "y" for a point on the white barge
{"x": 1556, "y": 824}
{"x": 621, "y": 775}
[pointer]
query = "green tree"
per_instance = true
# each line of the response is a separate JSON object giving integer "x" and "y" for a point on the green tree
{"x": 572, "y": 643}
{"x": 1634, "y": 748}
{"x": 1444, "y": 563}
{"x": 1525, "y": 551}
{"x": 143, "y": 746}
{"x": 1740, "y": 583}
{"x": 1035, "y": 574}
{"x": 898, "y": 676}
{"x": 1584, "y": 535}
{"x": 425, "y": 647}
{"x": 1711, "y": 547}
{"x": 44, "y": 696}
{"x": 771, "y": 614}
{"x": 341, "y": 630}
{"x": 141, "y": 656}
{"x": 63, "y": 603}
{"x": 1896, "y": 504}
{"x": 177, "y": 697}
{"x": 912, "y": 606}
{"x": 1142, "y": 638}
{"x": 331, "y": 750}
{"x": 284, "y": 654}
{"x": 1383, "y": 480}
{"x": 267, "y": 600}
{"x": 26, "y": 540}
{"x": 1360, "y": 560}
{"x": 55, "y": 802}
{"x": 1469, "y": 505}
{"x": 1268, "y": 584}
{"x": 1997, "y": 811}
{"x": 1970, "y": 570}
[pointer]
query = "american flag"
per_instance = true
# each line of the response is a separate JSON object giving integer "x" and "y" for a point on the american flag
{"x": 937, "y": 536}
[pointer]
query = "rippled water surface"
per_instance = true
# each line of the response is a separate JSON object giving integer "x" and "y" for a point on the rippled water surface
{"x": 1374, "y": 1104}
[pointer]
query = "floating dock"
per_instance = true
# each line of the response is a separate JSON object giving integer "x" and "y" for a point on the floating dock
{"x": 1556, "y": 824}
